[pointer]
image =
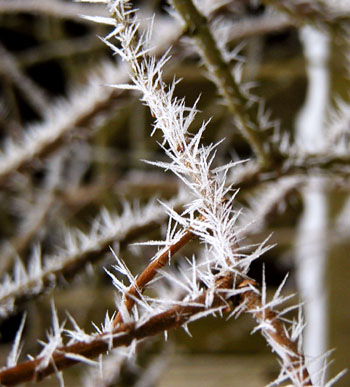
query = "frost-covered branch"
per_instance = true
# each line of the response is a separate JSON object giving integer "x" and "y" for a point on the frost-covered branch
{"x": 191, "y": 162}
{"x": 35, "y": 96}
{"x": 60, "y": 121}
{"x": 282, "y": 341}
{"x": 152, "y": 270}
{"x": 231, "y": 294}
{"x": 214, "y": 280}
{"x": 313, "y": 12}
{"x": 79, "y": 250}
{"x": 248, "y": 111}
{"x": 333, "y": 166}
{"x": 57, "y": 8}
{"x": 85, "y": 347}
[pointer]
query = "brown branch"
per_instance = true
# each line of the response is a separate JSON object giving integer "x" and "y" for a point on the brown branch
{"x": 150, "y": 272}
{"x": 240, "y": 106}
{"x": 253, "y": 175}
{"x": 253, "y": 305}
{"x": 122, "y": 335}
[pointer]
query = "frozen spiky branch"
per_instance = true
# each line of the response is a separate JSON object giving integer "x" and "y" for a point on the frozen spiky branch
{"x": 192, "y": 163}
{"x": 283, "y": 342}
{"x": 213, "y": 282}
{"x": 60, "y": 121}
{"x": 248, "y": 110}
{"x": 63, "y": 117}
{"x": 228, "y": 293}
{"x": 83, "y": 347}
{"x": 80, "y": 249}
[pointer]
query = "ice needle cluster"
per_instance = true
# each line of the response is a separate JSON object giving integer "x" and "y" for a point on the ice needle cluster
{"x": 211, "y": 283}
{"x": 210, "y": 215}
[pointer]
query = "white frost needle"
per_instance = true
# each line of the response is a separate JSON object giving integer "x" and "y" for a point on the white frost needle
{"x": 99, "y": 19}
{"x": 117, "y": 283}
{"x": 336, "y": 378}
{"x": 210, "y": 214}
{"x": 205, "y": 313}
{"x": 54, "y": 340}
{"x": 122, "y": 268}
{"x": 80, "y": 358}
{"x": 77, "y": 333}
{"x": 16, "y": 347}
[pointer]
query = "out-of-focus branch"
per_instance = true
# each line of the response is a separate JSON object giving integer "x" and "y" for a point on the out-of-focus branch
{"x": 80, "y": 250}
{"x": 57, "y": 8}
{"x": 238, "y": 102}
{"x": 32, "y": 92}
{"x": 312, "y": 12}
{"x": 57, "y": 49}
{"x": 252, "y": 175}
{"x": 61, "y": 118}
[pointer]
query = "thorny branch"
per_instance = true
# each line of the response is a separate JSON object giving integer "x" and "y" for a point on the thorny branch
{"x": 276, "y": 332}
{"x": 225, "y": 285}
{"x": 238, "y": 102}
{"x": 124, "y": 334}
{"x": 150, "y": 272}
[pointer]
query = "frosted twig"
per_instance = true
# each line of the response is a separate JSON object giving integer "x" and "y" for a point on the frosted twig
{"x": 57, "y": 8}
{"x": 79, "y": 250}
{"x": 61, "y": 118}
{"x": 250, "y": 117}
{"x": 151, "y": 270}
{"x": 275, "y": 333}
{"x": 33, "y": 93}
{"x": 123, "y": 335}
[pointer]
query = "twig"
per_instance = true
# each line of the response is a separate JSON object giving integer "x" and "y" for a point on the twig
{"x": 151, "y": 270}
{"x": 80, "y": 250}
{"x": 125, "y": 333}
{"x": 33, "y": 93}
{"x": 122, "y": 335}
{"x": 252, "y": 175}
{"x": 238, "y": 103}
{"x": 275, "y": 333}
{"x": 257, "y": 26}
{"x": 61, "y": 119}
{"x": 313, "y": 12}
{"x": 57, "y": 49}
{"x": 57, "y": 8}
{"x": 32, "y": 222}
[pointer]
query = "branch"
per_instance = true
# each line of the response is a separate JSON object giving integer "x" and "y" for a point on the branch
{"x": 151, "y": 270}
{"x": 122, "y": 335}
{"x": 230, "y": 290}
{"x": 311, "y": 12}
{"x": 60, "y": 120}
{"x": 246, "y": 113}
{"x": 80, "y": 249}
{"x": 251, "y": 175}
{"x": 275, "y": 334}
{"x": 56, "y": 8}
{"x": 33, "y": 93}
